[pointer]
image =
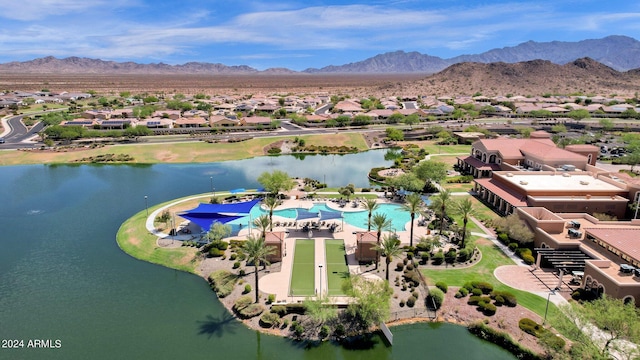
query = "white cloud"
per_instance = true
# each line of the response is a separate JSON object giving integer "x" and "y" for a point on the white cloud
{"x": 39, "y": 9}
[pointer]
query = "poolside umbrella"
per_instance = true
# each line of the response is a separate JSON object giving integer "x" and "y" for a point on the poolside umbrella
{"x": 302, "y": 214}
{"x": 331, "y": 215}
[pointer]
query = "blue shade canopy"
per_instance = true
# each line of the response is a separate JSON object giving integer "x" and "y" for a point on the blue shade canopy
{"x": 205, "y": 222}
{"x": 239, "y": 190}
{"x": 330, "y": 215}
{"x": 236, "y": 208}
{"x": 302, "y": 214}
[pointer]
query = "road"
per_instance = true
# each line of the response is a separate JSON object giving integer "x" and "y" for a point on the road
{"x": 19, "y": 133}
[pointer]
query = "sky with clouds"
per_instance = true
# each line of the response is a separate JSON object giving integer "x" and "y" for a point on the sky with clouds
{"x": 296, "y": 34}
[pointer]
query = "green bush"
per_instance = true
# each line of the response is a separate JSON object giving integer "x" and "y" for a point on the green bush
{"x": 399, "y": 266}
{"x": 271, "y": 298}
{"x": 451, "y": 256}
{"x": 242, "y": 302}
{"x": 468, "y": 286}
{"x": 298, "y": 329}
{"x": 409, "y": 267}
{"x": 487, "y": 308}
{"x": 251, "y": 311}
{"x": 442, "y": 286}
{"x": 464, "y": 254}
{"x": 236, "y": 264}
{"x": 501, "y": 339}
{"x": 484, "y": 286}
{"x": 462, "y": 292}
{"x": 412, "y": 277}
{"x": 504, "y": 238}
{"x": 324, "y": 331}
{"x": 476, "y": 292}
{"x": 504, "y": 297}
{"x": 401, "y": 303}
{"x": 269, "y": 320}
{"x": 435, "y": 298}
{"x": 513, "y": 246}
{"x": 475, "y": 300}
{"x": 415, "y": 294}
{"x": 215, "y": 252}
{"x": 438, "y": 258}
{"x": 528, "y": 259}
{"x": 530, "y": 327}
{"x": 281, "y": 310}
{"x": 233, "y": 257}
{"x": 247, "y": 289}
{"x": 411, "y": 301}
{"x": 296, "y": 309}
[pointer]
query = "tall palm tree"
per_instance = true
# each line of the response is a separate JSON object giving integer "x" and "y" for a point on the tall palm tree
{"x": 389, "y": 247}
{"x": 440, "y": 202}
{"x": 256, "y": 251}
{"x": 370, "y": 205}
{"x": 262, "y": 223}
{"x": 413, "y": 205}
{"x": 271, "y": 202}
{"x": 464, "y": 207}
{"x": 380, "y": 223}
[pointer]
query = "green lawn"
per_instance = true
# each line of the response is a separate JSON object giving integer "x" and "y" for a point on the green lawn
{"x": 303, "y": 271}
{"x": 337, "y": 269}
{"x": 492, "y": 258}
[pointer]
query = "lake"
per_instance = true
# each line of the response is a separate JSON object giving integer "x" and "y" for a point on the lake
{"x": 62, "y": 276}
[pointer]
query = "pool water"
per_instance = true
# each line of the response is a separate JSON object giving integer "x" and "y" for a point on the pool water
{"x": 399, "y": 218}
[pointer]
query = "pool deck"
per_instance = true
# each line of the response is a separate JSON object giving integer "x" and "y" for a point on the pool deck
{"x": 278, "y": 283}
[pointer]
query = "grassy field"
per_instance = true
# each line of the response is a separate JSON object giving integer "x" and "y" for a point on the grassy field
{"x": 303, "y": 271}
{"x": 187, "y": 152}
{"x": 492, "y": 258}
{"x": 337, "y": 269}
{"x": 134, "y": 239}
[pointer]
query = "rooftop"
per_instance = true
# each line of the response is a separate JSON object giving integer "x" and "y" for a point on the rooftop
{"x": 532, "y": 181}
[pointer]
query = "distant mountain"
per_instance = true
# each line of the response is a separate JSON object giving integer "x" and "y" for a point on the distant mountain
{"x": 76, "y": 65}
{"x": 621, "y": 53}
{"x": 533, "y": 77}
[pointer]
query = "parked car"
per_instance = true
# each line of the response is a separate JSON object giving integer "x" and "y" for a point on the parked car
{"x": 1, "y": 140}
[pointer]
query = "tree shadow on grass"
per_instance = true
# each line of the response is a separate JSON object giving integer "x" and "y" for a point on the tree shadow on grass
{"x": 218, "y": 326}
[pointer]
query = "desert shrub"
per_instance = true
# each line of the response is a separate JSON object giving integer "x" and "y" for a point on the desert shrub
{"x": 247, "y": 289}
{"x": 401, "y": 303}
{"x": 442, "y": 286}
{"x": 222, "y": 282}
{"x": 298, "y": 329}
{"x": 468, "y": 286}
{"x": 412, "y": 277}
{"x": 504, "y": 238}
{"x": 251, "y": 311}
{"x": 475, "y": 300}
{"x": 215, "y": 252}
{"x": 476, "y": 292}
{"x": 324, "y": 331}
{"x": 411, "y": 301}
{"x": 410, "y": 267}
{"x": 296, "y": 309}
{"x": 483, "y": 285}
{"x": 269, "y": 320}
{"x": 552, "y": 341}
{"x": 236, "y": 264}
{"x": 399, "y": 266}
{"x": 235, "y": 243}
{"x": 242, "y": 302}
{"x": 487, "y": 308}
{"x": 435, "y": 298}
{"x": 504, "y": 297}
{"x": 415, "y": 294}
{"x": 233, "y": 257}
{"x": 501, "y": 339}
{"x": 528, "y": 259}
{"x": 280, "y": 310}
{"x": 530, "y": 327}
{"x": 409, "y": 255}
{"x": 464, "y": 254}
{"x": 241, "y": 272}
{"x": 513, "y": 246}
{"x": 271, "y": 298}
{"x": 523, "y": 251}
{"x": 438, "y": 258}
{"x": 339, "y": 330}
{"x": 462, "y": 292}
{"x": 450, "y": 256}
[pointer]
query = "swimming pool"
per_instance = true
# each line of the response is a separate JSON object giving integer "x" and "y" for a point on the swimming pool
{"x": 398, "y": 217}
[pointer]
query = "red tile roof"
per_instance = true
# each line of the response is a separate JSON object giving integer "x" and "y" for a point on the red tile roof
{"x": 479, "y": 164}
{"x": 626, "y": 240}
{"x": 509, "y": 195}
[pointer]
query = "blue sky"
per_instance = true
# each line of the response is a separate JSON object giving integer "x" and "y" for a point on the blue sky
{"x": 295, "y": 34}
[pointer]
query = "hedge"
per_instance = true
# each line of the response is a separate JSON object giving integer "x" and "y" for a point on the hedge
{"x": 501, "y": 339}
{"x": 504, "y": 298}
{"x": 442, "y": 286}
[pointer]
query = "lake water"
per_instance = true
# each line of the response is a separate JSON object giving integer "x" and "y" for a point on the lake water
{"x": 63, "y": 277}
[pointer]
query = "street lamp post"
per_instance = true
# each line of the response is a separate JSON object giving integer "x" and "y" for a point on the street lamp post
{"x": 552, "y": 292}
{"x": 320, "y": 266}
{"x": 213, "y": 190}
{"x": 146, "y": 204}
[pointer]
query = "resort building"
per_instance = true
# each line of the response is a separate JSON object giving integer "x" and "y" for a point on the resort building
{"x": 604, "y": 255}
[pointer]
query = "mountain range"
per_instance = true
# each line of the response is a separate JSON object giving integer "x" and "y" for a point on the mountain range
{"x": 621, "y": 53}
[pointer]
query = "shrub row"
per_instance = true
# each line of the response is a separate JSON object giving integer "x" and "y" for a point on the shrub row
{"x": 501, "y": 339}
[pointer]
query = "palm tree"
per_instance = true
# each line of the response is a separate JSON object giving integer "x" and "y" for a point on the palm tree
{"x": 380, "y": 223}
{"x": 389, "y": 247}
{"x": 413, "y": 204}
{"x": 440, "y": 202}
{"x": 370, "y": 205}
{"x": 271, "y": 202}
{"x": 256, "y": 251}
{"x": 262, "y": 223}
{"x": 464, "y": 207}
